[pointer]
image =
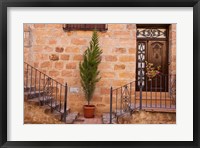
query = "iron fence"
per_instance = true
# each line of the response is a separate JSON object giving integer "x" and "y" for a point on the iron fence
{"x": 158, "y": 92}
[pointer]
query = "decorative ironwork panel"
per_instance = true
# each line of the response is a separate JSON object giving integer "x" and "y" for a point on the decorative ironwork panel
{"x": 48, "y": 90}
{"x": 151, "y": 33}
{"x": 126, "y": 99}
{"x": 141, "y": 63}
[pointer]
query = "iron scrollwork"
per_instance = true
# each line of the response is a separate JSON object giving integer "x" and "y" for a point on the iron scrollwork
{"x": 151, "y": 33}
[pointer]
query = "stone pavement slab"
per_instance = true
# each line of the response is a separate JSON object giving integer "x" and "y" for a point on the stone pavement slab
{"x": 83, "y": 120}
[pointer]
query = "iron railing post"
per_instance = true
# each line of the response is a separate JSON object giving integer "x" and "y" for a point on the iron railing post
{"x": 111, "y": 105}
{"x": 65, "y": 103}
{"x": 49, "y": 92}
{"x": 60, "y": 95}
{"x": 141, "y": 88}
{"x": 31, "y": 82}
{"x": 116, "y": 98}
{"x": 169, "y": 87}
{"x": 35, "y": 79}
{"x": 121, "y": 101}
{"x": 140, "y": 97}
{"x": 39, "y": 89}
{"x": 27, "y": 78}
{"x": 130, "y": 95}
{"x": 141, "y": 75}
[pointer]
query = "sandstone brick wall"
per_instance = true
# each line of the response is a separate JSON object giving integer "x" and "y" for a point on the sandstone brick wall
{"x": 172, "y": 55}
{"x": 58, "y": 53}
{"x": 172, "y": 49}
{"x": 27, "y": 43}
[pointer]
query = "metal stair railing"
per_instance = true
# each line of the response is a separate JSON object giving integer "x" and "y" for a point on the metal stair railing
{"x": 127, "y": 99}
{"x": 48, "y": 91}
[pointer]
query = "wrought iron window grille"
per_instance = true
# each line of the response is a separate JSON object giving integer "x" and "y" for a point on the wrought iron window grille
{"x": 85, "y": 27}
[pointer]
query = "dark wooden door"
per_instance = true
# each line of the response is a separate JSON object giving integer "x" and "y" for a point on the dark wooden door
{"x": 155, "y": 52}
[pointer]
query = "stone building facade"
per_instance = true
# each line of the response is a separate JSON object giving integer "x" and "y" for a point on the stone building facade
{"x": 58, "y": 53}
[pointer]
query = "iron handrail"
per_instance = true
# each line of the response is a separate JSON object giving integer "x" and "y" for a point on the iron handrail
{"x": 47, "y": 89}
{"x": 44, "y": 74}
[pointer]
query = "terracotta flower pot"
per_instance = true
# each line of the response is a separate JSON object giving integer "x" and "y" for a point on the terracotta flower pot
{"x": 89, "y": 111}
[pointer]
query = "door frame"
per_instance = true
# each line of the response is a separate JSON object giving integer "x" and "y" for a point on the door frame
{"x": 152, "y": 26}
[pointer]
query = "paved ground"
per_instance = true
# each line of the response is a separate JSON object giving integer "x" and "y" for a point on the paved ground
{"x": 34, "y": 114}
{"x": 82, "y": 120}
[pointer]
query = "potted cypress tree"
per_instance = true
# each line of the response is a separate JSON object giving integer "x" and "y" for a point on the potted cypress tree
{"x": 89, "y": 73}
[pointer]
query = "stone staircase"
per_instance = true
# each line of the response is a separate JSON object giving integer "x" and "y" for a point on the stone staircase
{"x": 50, "y": 104}
{"x": 41, "y": 90}
{"x": 117, "y": 115}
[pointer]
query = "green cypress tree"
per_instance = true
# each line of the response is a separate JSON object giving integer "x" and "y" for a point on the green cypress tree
{"x": 89, "y": 67}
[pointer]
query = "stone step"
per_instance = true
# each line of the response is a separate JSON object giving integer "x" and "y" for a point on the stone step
{"x": 53, "y": 107}
{"x": 53, "y": 104}
{"x": 60, "y": 113}
{"x": 67, "y": 110}
{"x": 33, "y": 94}
{"x": 107, "y": 121}
{"x": 27, "y": 89}
{"x": 46, "y": 99}
{"x": 73, "y": 114}
{"x": 106, "y": 118}
{"x": 34, "y": 101}
{"x": 107, "y": 115}
{"x": 133, "y": 108}
{"x": 119, "y": 112}
{"x": 71, "y": 117}
{"x": 40, "y": 100}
